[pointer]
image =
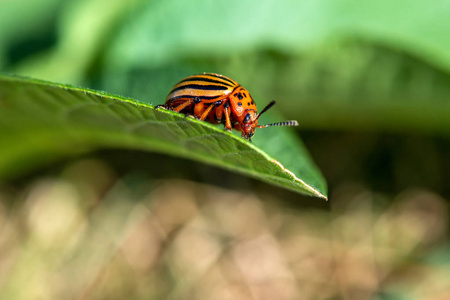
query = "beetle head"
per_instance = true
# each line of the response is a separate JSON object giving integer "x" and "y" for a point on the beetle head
{"x": 250, "y": 122}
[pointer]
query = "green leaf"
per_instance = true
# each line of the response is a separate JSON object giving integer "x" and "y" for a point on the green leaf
{"x": 163, "y": 30}
{"x": 354, "y": 86}
{"x": 83, "y": 28}
{"x": 41, "y": 122}
{"x": 21, "y": 19}
{"x": 333, "y": 65}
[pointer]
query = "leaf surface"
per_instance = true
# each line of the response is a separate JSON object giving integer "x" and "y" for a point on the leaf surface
{"x": 41, "y": 122}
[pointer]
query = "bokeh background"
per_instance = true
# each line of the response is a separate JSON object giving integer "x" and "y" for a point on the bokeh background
{"x": 369, "y": 82}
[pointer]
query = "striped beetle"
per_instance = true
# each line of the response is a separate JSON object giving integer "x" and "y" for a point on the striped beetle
{"x": 218, "y": 99}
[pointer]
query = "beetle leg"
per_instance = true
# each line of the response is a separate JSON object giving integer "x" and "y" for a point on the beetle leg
{"x": 206, "y": 112}
{"x": 183, "y": 105}
{"x": 199, "y": 108}
{"x": 227, "y": 117}
{"x": 218, "y": 114}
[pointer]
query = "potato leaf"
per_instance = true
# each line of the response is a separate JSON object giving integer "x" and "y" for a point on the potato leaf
{"x": 41, "y": 122}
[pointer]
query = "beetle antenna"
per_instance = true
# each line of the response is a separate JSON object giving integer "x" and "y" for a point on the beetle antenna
{"x": 285, "y": 123}
{"x": 266, "y": 108}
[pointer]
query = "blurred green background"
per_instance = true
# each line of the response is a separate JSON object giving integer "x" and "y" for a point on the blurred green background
{"x": 369, "y": 83}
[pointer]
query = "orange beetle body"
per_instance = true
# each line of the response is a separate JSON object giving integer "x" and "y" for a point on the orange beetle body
{"x": 218, "y": 99}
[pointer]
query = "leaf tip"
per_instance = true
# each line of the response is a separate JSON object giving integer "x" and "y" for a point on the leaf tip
{"x": 309, "y": 188}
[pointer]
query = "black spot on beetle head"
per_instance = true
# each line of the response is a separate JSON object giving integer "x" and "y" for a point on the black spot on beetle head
{"x": 247, "y": 118}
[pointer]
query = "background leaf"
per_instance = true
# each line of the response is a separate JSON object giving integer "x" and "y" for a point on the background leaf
{"x": 334, "y": 64}
{"x": 243, "y": 26}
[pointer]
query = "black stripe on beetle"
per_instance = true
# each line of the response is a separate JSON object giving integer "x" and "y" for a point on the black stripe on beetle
{"x": 200, "y": 87}
{"x": 195, "y": 78}
{"x": 193, "y": 97}
{"x": 222, "y": 78}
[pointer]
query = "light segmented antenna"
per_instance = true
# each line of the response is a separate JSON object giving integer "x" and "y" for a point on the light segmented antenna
{"x": 285, "y": 123}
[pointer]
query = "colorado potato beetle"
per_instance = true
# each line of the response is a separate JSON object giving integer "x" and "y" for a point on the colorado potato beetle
{"x": 218, "y": 99}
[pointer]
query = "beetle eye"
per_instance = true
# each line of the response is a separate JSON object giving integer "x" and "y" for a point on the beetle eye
{"x": 247, "y": 118}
